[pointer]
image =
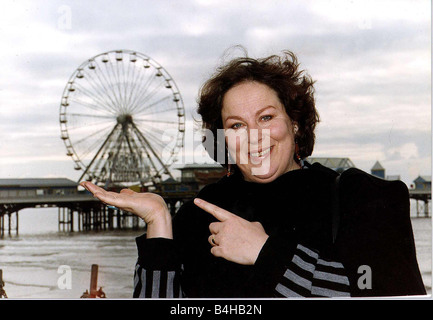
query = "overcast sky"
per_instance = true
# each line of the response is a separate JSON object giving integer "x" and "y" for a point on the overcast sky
{"x": 370, "y": 61}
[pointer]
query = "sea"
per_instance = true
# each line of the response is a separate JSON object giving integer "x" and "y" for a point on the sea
{"x": 41, "y": 262}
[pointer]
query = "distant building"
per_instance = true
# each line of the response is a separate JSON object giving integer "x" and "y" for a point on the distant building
{"x": 337, "y": 164}
{"x": 420, "y": 191}
{"x": 201, "y": 174}
{"x": 170, "y": 185}
{"x": 422, "y": 183}
{"x": 378, "y": 170}
{"x": 37, "y": 187}
{"x": 393, "y": 177}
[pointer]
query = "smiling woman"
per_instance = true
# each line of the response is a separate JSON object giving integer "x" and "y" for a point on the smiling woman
{"x": 284, "y": 88}
{"x": 267, "y": 229}
{"x": 268, "y": 132}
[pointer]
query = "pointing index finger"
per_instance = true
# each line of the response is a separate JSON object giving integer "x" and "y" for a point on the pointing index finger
{"x": 214, "y": 210}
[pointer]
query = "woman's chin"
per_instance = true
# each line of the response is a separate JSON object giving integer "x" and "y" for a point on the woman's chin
{"x": 265, "y": 173}
{"x": 261, "y": 175}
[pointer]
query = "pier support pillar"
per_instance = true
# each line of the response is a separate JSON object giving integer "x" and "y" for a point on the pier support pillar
{"x": 16, "y": 226}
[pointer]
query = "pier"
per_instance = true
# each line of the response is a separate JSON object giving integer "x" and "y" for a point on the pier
{"x": 422, "y": 199}
{"x": 77, "y": 210}
{"x": 80, "y": 211}
{"x": 420, "y": 191}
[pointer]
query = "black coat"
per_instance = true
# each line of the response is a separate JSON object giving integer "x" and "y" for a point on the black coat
{"x": 376, "y": 232}
{"x": 293, "y": 208}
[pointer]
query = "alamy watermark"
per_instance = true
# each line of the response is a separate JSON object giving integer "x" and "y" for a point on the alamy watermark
{"x": 365, "y": 280}
{"x": 244, "y": 147}
{"x": 64, "y": 282}
{"x": 64, "y": 21}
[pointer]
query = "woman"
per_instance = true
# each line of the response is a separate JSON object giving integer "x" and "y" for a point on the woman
{"x": 269, "y": 219}
{"x": 264, "y": 230}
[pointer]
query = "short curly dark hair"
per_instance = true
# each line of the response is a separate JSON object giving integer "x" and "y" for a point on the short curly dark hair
{"x": 281, "y": 73}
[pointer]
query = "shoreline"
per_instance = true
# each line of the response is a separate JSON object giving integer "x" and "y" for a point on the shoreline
{"x": 30, "y": 262}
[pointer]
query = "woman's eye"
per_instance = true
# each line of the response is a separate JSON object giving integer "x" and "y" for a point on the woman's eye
{"x": 266, "y": 118}
{"x": 236, "y": 126}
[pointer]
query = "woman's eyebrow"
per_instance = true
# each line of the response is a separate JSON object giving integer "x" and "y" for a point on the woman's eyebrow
{"x": 235, "y": 117}
{"x": 263, "y": 109}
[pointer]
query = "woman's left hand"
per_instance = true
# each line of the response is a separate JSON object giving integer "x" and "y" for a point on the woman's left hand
{"x": 233, "y": 238}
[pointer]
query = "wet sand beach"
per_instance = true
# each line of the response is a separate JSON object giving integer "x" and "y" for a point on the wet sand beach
{"x": 30, "y": 260}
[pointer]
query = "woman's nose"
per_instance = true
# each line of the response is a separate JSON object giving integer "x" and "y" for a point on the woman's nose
{"x": 254, "y": 135}
{"x": 258, "y": 137}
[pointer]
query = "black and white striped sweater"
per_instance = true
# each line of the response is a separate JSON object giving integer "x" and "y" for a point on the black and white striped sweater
{"x": 296, "y": 261}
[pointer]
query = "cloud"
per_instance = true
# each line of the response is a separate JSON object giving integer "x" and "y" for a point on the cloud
{"x": 371, "y": 60}
{"x": 405, "y": 151}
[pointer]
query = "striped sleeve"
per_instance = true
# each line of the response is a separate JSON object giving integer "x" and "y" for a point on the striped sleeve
{"x": 157, "y": 271}
{"x": 156, "y": 283}
{"x": 310, "y": 275}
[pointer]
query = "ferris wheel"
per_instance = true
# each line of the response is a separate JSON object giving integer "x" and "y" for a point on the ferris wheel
{"x": 122, "y": 119}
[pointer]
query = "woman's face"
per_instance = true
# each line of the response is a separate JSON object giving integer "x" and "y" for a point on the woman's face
{"x": 259, "y": 133}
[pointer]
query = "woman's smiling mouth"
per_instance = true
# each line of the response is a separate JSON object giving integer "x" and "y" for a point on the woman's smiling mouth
{"x": 261, "y": 154}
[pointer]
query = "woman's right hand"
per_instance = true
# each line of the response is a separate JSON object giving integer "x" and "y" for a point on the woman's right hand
{"x": 148, "y": 206}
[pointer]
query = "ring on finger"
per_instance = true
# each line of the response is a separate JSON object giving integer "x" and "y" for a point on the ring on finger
{"x": 212, "y": 240}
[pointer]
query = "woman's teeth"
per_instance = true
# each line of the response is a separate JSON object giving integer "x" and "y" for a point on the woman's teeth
{"x": 261, "y": 154}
